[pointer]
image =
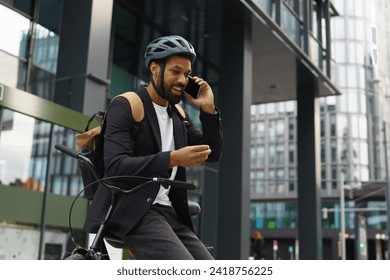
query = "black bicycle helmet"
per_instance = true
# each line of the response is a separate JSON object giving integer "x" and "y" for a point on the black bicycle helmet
{"x": 166, "y": 46}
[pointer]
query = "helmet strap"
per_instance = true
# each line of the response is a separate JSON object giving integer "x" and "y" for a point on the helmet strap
{"x": 160, "y": 90}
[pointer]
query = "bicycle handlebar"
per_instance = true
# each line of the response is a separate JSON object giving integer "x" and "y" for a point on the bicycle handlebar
{"x": 66, "y": 150}
{"x": 163, "y": 181}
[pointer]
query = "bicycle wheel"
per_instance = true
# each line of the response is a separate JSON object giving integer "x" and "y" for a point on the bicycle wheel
{"x": 76, "y": 256}
{"x": 81, "y": 254}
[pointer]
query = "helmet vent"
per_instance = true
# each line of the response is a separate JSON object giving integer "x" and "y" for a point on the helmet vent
{"x": 159, "y": 50}
{"x": 170, "y": 44}
{"x": 182, "y": 43}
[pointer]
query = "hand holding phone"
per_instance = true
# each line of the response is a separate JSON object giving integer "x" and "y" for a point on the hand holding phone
{"x": 201, "y": 93}
{"x": 192, "y": 88}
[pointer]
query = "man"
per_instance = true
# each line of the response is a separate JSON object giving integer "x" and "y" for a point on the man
{"x": 154, "y": 222}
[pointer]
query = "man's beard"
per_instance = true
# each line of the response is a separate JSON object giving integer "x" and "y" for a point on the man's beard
{"x": 172, "y": 98}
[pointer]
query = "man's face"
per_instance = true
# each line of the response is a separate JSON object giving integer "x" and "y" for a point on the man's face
{"x": 177, "y": 70}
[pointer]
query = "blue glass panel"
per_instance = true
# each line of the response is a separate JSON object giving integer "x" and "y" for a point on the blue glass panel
{"x": 46, "y": 48}
{"x": 13, "y": 36}
{"x": 291, "y": 25}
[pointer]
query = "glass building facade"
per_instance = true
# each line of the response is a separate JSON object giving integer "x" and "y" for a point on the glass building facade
{"x": 37, "y": 183}
{"x": 351, "y": 129}
{"x": 33, "y": 175}
{"x": 57, "y": 67}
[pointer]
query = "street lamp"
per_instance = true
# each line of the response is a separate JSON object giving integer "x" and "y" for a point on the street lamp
{"x": 342, "y": 217}
{"x": 387, "y": 190}
{"x": 387, "y": 185}
{"x": 342, "y": 214}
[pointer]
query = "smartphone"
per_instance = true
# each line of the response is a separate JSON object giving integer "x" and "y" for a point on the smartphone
{"x": 192, "y": 88}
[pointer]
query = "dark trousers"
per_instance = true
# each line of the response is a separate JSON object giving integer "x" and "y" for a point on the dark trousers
{"x": 160, "y": 235}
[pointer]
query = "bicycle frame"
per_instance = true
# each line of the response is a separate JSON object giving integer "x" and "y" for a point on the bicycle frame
{"x": 97, "y": 248}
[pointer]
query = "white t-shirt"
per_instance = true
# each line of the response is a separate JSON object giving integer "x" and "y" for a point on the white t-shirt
{"x": 167, "y": 144}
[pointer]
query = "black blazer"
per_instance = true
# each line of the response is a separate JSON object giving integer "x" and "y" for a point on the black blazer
{"x": 146, "y": 160}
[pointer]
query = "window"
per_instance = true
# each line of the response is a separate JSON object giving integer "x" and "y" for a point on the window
{"x": 291, "y": 153}
{"x": 273, "y": 215}
{"x": 261, "y": 131}
{"x": 291, "y": 129}
{"x": 334, "y": 178}
{"x": 271, "y": 155}
{"x": 17, "y": 38}
{"x": 280, "y": 130}
{"x": 323, "y": 153}
{"x": 332, "y": 121}
{"x": 26, "y": 155}
{"x": 333, "y": 151}
{"x": 323, "y": 179}
{"x": 355, "y": 126}
{"x": 322, "y": 126}
{"x": 363, "y": 149}
{"x": 13, "y": 36}
{"x": 291, "y": 24}
{"x": 342, "y": 126}
{"x": 12, "y": 70}
{"x": 260, "y": 156}
{"x": 280, "y": 154}
{"x": 25, "y": 6}
{"x": 46, "y": 48}
{"x": 280, "y": 181}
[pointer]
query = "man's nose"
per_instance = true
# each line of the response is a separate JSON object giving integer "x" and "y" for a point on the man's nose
{"x": 183, "y": 80}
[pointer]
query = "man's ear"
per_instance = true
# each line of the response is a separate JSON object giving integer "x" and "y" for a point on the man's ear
{"x": 154, "y": 69}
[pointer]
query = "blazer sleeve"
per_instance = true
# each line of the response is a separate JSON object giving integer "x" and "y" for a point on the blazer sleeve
{"x": 211, "y": 134}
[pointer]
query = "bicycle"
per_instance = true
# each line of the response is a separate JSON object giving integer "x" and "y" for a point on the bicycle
{"x": 98, "y": 250}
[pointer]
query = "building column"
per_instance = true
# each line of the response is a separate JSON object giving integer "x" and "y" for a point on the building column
{"x": 309, "y": 165}
{"x": 235, "y": 100}
{"x": 83, "y": 58}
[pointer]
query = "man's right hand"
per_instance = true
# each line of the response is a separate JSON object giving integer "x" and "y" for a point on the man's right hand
{"x": 189, "y": 156}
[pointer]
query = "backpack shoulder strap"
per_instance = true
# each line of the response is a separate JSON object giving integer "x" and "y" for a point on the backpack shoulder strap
{"x": 137, "y": 107}
{"x": 181, "y": 112}
{"x": 138, "y": 112}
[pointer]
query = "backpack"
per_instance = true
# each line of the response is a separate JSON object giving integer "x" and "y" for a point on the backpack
{"x": 90, "y": 143}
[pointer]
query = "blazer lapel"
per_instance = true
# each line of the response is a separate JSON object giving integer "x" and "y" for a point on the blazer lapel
{"x": 150, "y": 114}
{"x": 178, "y": 133}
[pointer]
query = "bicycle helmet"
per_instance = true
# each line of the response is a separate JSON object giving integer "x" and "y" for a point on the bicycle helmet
{"x": 162, "y": 48}
{"x": 167, "y": 46}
